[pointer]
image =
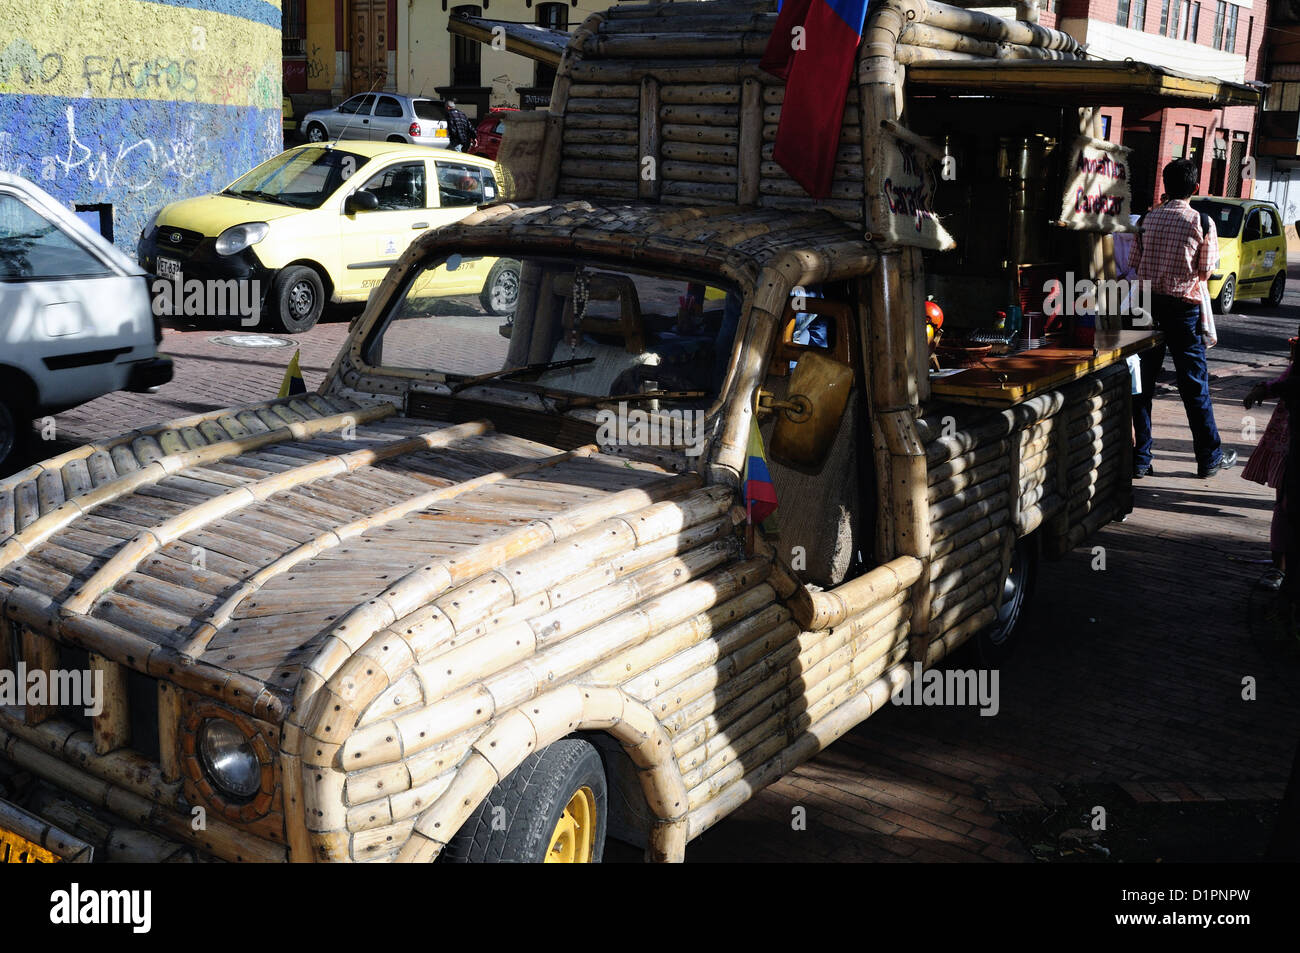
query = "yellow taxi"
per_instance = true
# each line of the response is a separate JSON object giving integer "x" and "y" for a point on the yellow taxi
{"x": 322, "y": 223}
{"x": 1252, "y": 251}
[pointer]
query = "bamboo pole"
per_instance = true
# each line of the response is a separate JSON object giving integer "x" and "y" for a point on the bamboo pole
{"x": 751, "y": 132}
{"x": 112, "y": 727}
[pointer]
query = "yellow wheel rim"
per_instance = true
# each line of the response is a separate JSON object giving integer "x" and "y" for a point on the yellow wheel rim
{"x": 574, "y": 839}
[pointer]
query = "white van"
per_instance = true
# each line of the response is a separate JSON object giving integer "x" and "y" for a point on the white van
{"x": 76, "y": 319}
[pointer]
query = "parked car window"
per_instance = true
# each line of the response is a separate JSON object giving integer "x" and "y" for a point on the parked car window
{"x": 460, "y": 185}
{"x": 388, "y": 108}
{"x": 302, "y": 178}
{"x": 400, "y": 187}
{"x": 1267, "y": 224}
{"x": 31, "y": 246}
{"x": 430, "y": 109}
{"x": 1227, "y": 217}
{"x": 1252, "y": 227}
{"x": 358, "y": 104}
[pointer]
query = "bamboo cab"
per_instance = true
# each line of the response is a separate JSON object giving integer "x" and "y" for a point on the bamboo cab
{"x": 972, "y": 170}
{"x": 503, "y": 567}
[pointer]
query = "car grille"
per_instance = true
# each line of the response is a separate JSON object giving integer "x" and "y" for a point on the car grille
{"x": 177, "y": 242}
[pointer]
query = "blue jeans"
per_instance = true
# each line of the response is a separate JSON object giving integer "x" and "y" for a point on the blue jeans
{"x": 1178, "y": 321}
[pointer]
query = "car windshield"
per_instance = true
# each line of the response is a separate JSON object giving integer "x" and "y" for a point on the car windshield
{"x": 614, "y": 331}
{"x": 302, "y": 178}
{"x": 1226, "y": 216}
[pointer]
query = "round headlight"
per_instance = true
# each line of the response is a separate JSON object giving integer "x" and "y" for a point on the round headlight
{"x": 238, "y": 237}
{"x": 228, "y": 759}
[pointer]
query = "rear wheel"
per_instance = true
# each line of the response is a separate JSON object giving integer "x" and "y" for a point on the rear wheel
{"x": 316, "y": 133}
{"x": 1227, "y": 296}
{"x": 501, "y": 290}
{"x": 299, "y": 299}
{"x": 396, "y": 139}
{"x": 550, "y": 809}
{"x": 1000, "y": 638}
{"x": 1276, "y": 291}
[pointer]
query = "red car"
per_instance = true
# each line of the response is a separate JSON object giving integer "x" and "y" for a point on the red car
{"x": 489, "y": 132}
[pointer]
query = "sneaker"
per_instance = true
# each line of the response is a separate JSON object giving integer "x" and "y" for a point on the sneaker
{"x": 1227, "y": 460}
{"x": 1141, "y": 470}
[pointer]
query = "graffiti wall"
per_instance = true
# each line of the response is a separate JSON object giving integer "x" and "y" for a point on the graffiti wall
{"x": 138, "y": 103}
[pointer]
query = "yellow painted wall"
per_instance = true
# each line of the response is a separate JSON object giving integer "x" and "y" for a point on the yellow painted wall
{"x": 320, "y": 44}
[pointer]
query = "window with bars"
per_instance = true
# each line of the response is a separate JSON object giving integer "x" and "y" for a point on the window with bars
{"x": 293, "y": 32}
{"x": 1220, "y": 14}
{"x": 1139, "y": 14}
{"x": 1164, "y": 16}
{"x": 1122, "y": 12}
{"x": 1174, "y": 9}
{"x": 466, "y": 65}
{"x": 1230, "y": 30}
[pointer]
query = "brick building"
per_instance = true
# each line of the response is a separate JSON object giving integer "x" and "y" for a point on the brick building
{"x": 1218, "y": 38}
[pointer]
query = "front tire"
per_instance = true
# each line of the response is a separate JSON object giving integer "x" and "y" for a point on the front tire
{"x": 553, "y": 808}
{"x": 501, "y": 290}
{"x": 317, "y": 133}
{"x": 1226, "y": 299}
{"x": 1276, "y": 291}
{"x": 996, "y": 642}
{"x": 15, "y": 424}
{"x": 299, "y": 299}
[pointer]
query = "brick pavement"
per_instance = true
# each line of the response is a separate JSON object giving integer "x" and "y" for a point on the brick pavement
{"x": 1132, "y": 675}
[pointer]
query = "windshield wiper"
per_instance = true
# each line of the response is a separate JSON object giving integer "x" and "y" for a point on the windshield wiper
{"x": 585, "y": 401}
{"x": 255, "y": 194}
{"x": 519, "y": 372}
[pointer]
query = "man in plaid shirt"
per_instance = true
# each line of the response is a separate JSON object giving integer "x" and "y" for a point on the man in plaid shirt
{"x": 1176, "y": 250}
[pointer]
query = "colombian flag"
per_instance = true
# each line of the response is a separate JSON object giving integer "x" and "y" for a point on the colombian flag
{"x": 293, "y": 382}
{"x": 816, "y": 66}
{"x": 760, "y": 494}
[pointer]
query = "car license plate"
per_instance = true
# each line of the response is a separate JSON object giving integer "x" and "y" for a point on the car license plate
{"x": 16, "y": 849}
{"x": 168, "y": 267}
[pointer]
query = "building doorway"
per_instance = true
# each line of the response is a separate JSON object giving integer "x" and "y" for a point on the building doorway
{"x": 368, "y": 45}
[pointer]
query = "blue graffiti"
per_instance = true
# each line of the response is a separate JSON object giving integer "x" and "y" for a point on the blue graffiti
{"x": 136, "y": 154}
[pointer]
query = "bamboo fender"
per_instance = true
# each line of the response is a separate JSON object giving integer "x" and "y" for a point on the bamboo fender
{"x": 543, "y": 721}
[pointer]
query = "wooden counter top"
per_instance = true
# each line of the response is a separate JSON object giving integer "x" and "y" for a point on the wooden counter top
{"x": 1000, "y": 381}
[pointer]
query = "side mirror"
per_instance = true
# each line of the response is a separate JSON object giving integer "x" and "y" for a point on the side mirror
{"x": 808, "y": 419}
{"x": 361, "y": 201}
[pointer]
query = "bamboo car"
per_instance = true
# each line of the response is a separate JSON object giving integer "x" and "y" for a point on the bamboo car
{"x": 491, "y": 593}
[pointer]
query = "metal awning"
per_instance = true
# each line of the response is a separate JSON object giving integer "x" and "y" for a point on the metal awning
{"x": 535, "y": 42}
{"x": 1085, "y": 83}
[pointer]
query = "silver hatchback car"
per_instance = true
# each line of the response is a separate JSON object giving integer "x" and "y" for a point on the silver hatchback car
{"x": 381, "y": 117}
